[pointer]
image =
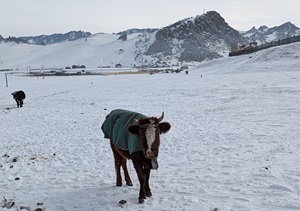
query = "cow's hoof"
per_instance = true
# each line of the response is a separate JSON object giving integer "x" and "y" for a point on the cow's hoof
{"x": 141, "y": 201}
{"x": 119, "y": 184}
{"x": 148, "y": 194}
{"x": 129, "y": 183}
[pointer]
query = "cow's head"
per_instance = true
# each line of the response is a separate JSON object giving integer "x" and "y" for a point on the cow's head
{"x": 14, "y": 94}
{"x": 149, "y": 130}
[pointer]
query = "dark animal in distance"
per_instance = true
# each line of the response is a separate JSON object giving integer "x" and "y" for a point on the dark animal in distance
{"x": 136, "y": 137}
{"x": 19, "y": 96}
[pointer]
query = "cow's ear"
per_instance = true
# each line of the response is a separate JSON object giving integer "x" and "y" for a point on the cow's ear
{"x": 164, "y": 127}
{"x": 133, "y": 129}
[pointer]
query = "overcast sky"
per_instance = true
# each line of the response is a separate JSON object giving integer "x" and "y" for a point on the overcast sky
{"x": 37, "y": 17}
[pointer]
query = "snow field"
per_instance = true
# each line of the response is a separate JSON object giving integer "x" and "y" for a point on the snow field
{"x": 233, "y": 145}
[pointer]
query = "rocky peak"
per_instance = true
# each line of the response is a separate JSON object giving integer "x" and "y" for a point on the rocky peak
{"x": 288, "y": 26}
{"x": 262, "y": 28}
{"x": 197, "y": 38}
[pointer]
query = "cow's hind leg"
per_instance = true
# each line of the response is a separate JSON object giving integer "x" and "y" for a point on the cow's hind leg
{"x": 118, "y": 161}
{"x": 126, "y": 174}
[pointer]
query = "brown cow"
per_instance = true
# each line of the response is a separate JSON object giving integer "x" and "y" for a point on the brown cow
{"x": 136, "y": 137}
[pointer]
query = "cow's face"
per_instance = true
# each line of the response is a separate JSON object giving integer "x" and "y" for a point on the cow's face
{"x": 14, "y": 94}
{"x": 149, "y": 130}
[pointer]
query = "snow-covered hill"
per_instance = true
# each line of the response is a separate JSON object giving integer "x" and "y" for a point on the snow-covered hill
{"x": 97, "y": 50}
{"x": 281, "y": 58}
{"x": 233, "y": 145}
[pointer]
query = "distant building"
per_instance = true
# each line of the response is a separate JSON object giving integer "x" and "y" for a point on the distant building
{"x": 118, "y": 66}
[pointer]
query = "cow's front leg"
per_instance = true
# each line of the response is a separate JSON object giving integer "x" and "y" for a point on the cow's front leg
{"x": 18, "y": 104}
{"x": 147, "y": 186}
{"x": 142, "y": 179}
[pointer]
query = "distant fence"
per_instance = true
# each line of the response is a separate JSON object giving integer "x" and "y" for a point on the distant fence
{"x": 266, "y": 45}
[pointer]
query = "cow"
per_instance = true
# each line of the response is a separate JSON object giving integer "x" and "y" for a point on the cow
{"x": 19, "y": 96}
{"x": 136, "y": 137}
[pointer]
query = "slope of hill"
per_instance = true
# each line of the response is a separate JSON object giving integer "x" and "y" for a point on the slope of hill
{"x": 97, "y": 50}
{"x": 280, "y": 58}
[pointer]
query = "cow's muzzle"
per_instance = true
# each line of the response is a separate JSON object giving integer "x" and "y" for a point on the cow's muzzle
{"x": 151, "y": 154}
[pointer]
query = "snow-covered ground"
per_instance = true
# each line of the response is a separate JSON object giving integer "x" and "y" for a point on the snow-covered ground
{"x": 234, "y": 142}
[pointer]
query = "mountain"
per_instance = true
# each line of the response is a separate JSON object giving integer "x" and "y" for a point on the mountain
{"x": 264, "y": 34}
{"x": 56, "y": 38}
{"x": 188, "y": 41}
{"x": 194, "y": 39}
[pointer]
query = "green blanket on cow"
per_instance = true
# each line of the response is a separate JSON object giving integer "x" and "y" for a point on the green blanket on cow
{"x": 115, "y": 128}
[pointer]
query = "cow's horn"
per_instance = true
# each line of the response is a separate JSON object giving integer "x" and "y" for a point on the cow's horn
{"x": 161, "y": 118}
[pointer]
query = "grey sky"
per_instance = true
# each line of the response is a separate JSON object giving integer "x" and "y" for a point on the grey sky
{"x": 36, "y": 17}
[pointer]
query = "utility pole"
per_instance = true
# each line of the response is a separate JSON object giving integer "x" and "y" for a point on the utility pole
{"x": 6, "y": 80}
{"x": 42, "y": 71}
